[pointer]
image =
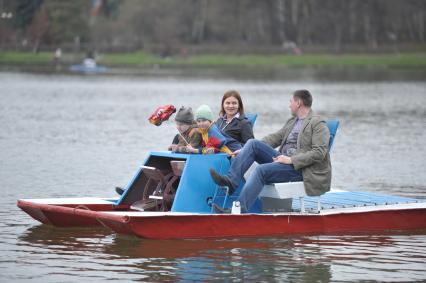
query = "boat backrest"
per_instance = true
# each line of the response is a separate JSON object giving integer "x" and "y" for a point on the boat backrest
{"x": 252, "y": 118}
{"x": 332, "y": 127}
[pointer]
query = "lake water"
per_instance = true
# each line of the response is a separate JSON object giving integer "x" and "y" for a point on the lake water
{"x": 71, "y": 136}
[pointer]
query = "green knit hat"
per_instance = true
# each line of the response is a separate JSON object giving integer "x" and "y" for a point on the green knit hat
{"x": 204, "y": 112}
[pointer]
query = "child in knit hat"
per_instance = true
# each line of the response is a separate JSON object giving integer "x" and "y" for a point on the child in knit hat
{"x": 212, "y": 139}
{"x": 188, "y": 134}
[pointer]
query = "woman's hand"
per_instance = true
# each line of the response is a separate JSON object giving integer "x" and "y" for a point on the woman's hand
{"x": 235, "y": 153}
{"x": 282, "y": 159}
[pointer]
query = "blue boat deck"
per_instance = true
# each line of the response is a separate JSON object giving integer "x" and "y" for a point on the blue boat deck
{"x": 345, "y": 199}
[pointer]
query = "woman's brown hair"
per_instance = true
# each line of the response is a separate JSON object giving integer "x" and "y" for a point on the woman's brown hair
{"x": 236, "y": 95}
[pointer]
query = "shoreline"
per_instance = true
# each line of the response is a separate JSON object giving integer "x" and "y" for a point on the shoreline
{"x": 319, "y": 67}
{"x": 252, "y": 73}
{"x": 146, "y": 60}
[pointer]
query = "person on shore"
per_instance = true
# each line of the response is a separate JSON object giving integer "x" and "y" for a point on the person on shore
{"x": 57, "y": 56}
{"x": 188, "y": 132}
{"x": 232, "y": 121}
{"x": 302, "y": 156}
{"x": 212, "y": 139}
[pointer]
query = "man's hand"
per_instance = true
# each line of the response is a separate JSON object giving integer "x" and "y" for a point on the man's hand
{"x": 282, "y": 159}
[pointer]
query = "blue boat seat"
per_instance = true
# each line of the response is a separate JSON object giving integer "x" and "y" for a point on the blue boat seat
{"x": 252, "y": 118}
{"x": 297, "y": 189}
{"x": 332, "y": 127}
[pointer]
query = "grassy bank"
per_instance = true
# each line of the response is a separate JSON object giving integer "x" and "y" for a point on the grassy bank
{"x": 307, "y": 60}
{"x": 142, "y": 59}
{"x": 20, "y": 58}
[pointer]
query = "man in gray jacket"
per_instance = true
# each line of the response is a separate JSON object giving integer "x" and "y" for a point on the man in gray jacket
{"x": 302, "y": 156}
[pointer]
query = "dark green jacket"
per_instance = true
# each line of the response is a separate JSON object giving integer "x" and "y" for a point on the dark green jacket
{"x": 192, "y": 136}
{"x": 312, "y": 155}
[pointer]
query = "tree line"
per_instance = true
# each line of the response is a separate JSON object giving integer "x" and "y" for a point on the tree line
{"x": 212, "y": 25}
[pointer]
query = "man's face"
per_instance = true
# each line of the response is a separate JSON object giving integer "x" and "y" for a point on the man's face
{"x": 294, "y": 105}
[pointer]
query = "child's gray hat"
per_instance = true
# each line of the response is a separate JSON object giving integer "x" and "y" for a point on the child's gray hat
{"x": 185, "y": 115}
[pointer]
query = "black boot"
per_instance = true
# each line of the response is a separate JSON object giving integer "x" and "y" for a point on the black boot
{"x": 119, "y": 190}
{"x": 222, "y": 181}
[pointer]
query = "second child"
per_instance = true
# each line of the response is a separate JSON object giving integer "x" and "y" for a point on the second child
{"x": 213, "y": 141}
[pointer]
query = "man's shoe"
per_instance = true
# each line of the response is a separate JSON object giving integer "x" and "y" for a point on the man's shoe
{"x": 220, "y": 210}
{"x": 119, "y": 190}
{"x": 222, "y": 181}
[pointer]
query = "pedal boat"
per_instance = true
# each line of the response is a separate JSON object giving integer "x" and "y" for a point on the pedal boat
{"x": 171, "y": 196}
{"x": 88, "y": 66}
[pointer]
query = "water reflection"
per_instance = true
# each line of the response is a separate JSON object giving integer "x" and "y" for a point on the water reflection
{"x": 64, "y": 240}
{"x": 295, "y": 259}
{"x": 259, "y": 260}
{"x": 263, "y": 260}
{"x": 134, "y": 247}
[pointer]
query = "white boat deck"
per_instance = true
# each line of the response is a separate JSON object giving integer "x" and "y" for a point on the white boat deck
{"x": 420, "y": 205}
{"x": 333, "y": 202}
{"x": 62, "y": 201}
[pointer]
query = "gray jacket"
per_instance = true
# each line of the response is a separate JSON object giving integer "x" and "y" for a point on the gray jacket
{"x": 312, "y": 155}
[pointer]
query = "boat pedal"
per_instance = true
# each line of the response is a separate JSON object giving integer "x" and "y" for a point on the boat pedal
{"x": 156, "y": 197}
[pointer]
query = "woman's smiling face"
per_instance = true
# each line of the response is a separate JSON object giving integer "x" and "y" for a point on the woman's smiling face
{"x": 231, "y": 106}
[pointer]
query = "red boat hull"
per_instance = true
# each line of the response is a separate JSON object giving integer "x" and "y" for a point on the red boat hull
{"x": 169, "y": 225}
{"x": 255, "y": 225}
{"x": 63, "y": 215}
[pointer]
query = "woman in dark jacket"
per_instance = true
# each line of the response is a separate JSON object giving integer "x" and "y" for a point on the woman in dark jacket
{"x": 232, "y": 121}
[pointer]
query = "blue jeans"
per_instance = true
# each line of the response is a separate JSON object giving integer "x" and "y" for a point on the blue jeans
{"x": 267, "y": 172}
